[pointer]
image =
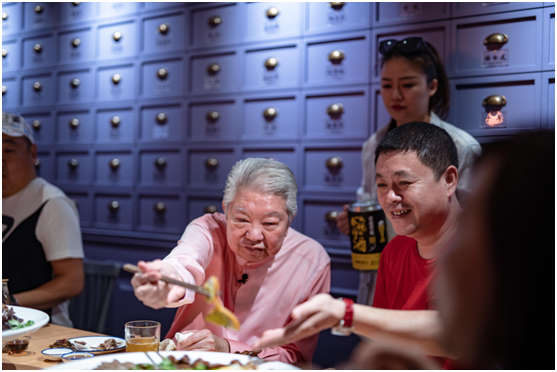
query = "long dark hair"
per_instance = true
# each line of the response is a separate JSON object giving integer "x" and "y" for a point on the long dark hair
{"x": 440, "y": 101}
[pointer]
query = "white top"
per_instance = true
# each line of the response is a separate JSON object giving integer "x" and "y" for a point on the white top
{"x": 57, "y": 227}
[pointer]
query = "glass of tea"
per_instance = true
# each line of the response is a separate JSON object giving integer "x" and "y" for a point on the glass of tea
{"x": 142, "y": 335}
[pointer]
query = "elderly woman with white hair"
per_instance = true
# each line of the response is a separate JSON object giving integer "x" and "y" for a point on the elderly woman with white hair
{"x": 265, "y": 268}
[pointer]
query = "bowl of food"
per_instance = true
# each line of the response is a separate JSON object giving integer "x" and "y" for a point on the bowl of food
{"x": 19, "y": 321}
{"x": 76, "y": 355}
{"x": 55, "y": 354}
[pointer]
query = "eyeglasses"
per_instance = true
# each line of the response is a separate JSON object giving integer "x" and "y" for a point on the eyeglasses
{"x": 406, "y": 46}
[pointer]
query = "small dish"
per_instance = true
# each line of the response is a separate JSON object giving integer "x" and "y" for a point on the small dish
{"x": 77, "y": 355}
{"x": 17, "y": 346}
{"x": 55, "y": 354}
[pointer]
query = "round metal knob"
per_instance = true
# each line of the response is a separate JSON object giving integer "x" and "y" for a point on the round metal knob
{"x": 212, "y": 116}
{"x": 4, "y": 53}
{"x": 336, "y": 5}
{"x": 494, "y": 100}
{"x": 113, "y": 206}
{"x": 331, "y": 216}
{"x": 162, "y": 73}
{"x": 271, "y": 64}
{"x": 213, "y": 69}
{"x": 74, "y": 123}
{"x": 75, "y": 83}
{"x": 36, "y": 124}
{"x": 76, "y": 3}
{"x": 161, "y": 118}
{"x": 115, "y": 121}
{"x": 160, "y": 163}
{"x": 334, "y": 163}
{"x": 270, "y": 114}
{"x": 336, "y": 57}
{"x": 114, "y": 164}
{"x": 38, "y": 9}
{"x": 272, "y": 13}
{"x": 211, "y": 163}
{"x": 116, "y": 78}
{"x": 37, "y": 86}
{"x": 4, "y": 89}
{"x": 160, "y": 208}
{"x": 38, "y": 48}
{"x": 117, "y": 36}
{"x": 73, "y": 163}
{"x": 4, "y": 16}
{"x": 76, "y": 42}
{"x": 210, "y": 209}
{"x": 164, "y": 28}
{"x": 214, "y": 21}
{"x": 335, "y": 110}
{"x": 37, "y": 163}
{"x": 498, "y": 39}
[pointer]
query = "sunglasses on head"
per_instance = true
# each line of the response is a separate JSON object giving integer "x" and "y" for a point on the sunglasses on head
{"x": 409, "y": 45}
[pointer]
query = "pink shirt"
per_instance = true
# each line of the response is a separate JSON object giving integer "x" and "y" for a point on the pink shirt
{"x": 274, "y": 286}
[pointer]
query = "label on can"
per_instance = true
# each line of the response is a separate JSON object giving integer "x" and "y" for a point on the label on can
{"x": 368, "y": 237}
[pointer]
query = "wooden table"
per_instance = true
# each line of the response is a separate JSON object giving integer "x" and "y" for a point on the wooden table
{"x": 38, "y": 341}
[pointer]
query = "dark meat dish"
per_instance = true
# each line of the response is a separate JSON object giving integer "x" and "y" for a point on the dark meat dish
{"x": 171, "y": 363}
{"x": 63, "y": 343}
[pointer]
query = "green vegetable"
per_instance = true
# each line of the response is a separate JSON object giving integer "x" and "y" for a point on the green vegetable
{"x": 199, "y": 366}
{"x": 167, "y": 364}
{"x": 14, "y": 324}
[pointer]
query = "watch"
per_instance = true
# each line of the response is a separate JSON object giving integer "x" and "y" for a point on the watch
{"x": 345, "y": 327}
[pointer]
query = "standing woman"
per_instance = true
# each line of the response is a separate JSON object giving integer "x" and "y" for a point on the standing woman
{"x": 414, "y": 87}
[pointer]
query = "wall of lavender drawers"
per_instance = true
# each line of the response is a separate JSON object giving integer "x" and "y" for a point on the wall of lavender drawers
{"x": 141, "y": 109}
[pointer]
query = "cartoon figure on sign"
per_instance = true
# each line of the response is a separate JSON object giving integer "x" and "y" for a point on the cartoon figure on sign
{"x": 494, "y": 118}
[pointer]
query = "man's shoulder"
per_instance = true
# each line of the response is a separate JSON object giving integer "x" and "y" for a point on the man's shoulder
{"x": 305, "y": 247}
{"x": 211, "y": 221}
{"x": 399, "y": 244}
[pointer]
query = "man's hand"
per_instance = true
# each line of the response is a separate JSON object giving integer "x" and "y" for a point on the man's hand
{"x": 342, "y": 221}
{"x": 204, "y": 340}
{"x": 319, "y": 313}
{"x": 153, "y": 292}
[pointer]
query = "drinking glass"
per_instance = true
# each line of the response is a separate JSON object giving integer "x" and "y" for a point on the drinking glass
{"x": 142, "y": 335}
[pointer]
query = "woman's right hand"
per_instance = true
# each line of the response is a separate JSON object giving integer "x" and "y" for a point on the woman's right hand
{"x": 342, "y": 221}
{"x": 153, "y": 292}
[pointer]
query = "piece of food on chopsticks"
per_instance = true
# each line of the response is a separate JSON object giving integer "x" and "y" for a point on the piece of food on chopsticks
{"x": 220, "y": 315}
{"x": 171, "y": 363}
{"x": 10, "y": 321}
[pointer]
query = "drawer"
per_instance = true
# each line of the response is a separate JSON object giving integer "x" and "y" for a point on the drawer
{"x": 163, "y": 78}
{"x": 477, "y": 8}
{"x": 164, "y": 34}
{"x": 161, "y": 214}
{"x": 10, "y": 92}
{"x": 155, "y": 5}
{"x": 198, "y": 206}
{"x": 75, "y": 127}
{"x": 405, "y": 13}
{"x": 210, "y": 168}
{"x": 548, "y": 62}
{"x": 116, "y": 83}
{"x": 521, "y": 111}
{"x": 272, "y": 67}
{"x": 38, "y": 52}
{"x": 74, "y": 168}
{"x": 44, "y": 127}
{"x": 435, "y": 33}
{"x": 215, "y": 73}
{"x": 114, "y": 169}
{"x": 113, "y": 211}
{"x": 76, "y": 12}
{"x": 548, "y": 100}
{"x": 44, "y": 166}
{"x": 11, "y": 57}
{"x": 215, "y": 26}
{"x": 114, "y": 9}
{"x": 320, "y": 223}
{"x": 287, "y": 156}
{"x": 38, "y": 90}
{"x": 336, "y": 115}
{"x": 271, "y": 118}
{"x": 161, "y": 168}
{"x": 11, "y": 18}
{"x": 333, "y": 169}
{"x": 40, "y": 15}
{"x": 163, "y": 123}
{"x": 340, "y": 61}
{"x": 214, "y": 121}
{"x": 115, "y": 126}
{"x": 117, "y": 40}
{"x": 269, "y": 21}
{"x": 343, "y": 276}
{"x": 324, "y": 18}
{"x": 380, "y": 116}
{"x": 84, "y": 207}
{"x": 522, "y": 32}
{"x": 76, "y": 86}
{"x": 77, "y": 46}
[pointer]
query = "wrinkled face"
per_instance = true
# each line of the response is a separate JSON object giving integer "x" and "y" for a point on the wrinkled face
{"x": 405, "y": 91}
{"x": 18, "y": 164}
{"x": 416, "y": 204}
{"x": 256, "y": 225}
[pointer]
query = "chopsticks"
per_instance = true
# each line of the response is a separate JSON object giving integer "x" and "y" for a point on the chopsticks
{"x": 134, "y": 269}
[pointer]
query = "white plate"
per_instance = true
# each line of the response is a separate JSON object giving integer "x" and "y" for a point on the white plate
{"x": 94, "y": 341}
{"x": 214, "y": 358}
{"x": 40, "y": 318}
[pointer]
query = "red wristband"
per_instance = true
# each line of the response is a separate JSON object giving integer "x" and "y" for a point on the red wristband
{"x": 349, "y": 314}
